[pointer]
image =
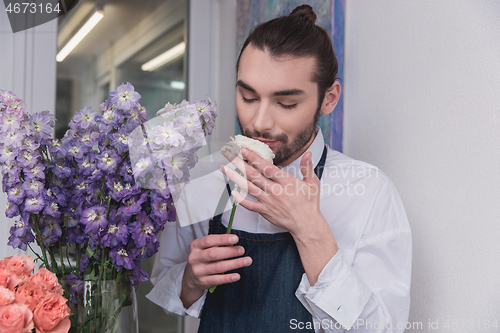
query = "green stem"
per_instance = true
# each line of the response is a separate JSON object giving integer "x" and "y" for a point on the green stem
{"x": 62, "y": 261}
{"x": 35, "y": 253}
{"x": 54, "y": 263}
{"x": 78, "y": 254}
{"x": 40, "y": 241}
{"x": 228, "y": 231}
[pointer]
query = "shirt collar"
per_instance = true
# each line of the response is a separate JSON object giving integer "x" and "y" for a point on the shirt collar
{"x": 316, "y": 148}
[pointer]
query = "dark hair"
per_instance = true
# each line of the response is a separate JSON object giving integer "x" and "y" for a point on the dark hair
{"x": 298, "y": 35}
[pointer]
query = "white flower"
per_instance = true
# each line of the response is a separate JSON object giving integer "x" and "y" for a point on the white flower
{"x": 258, "y": 147}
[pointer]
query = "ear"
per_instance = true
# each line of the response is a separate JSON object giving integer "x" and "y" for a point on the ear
{"x": 331, "y": 99}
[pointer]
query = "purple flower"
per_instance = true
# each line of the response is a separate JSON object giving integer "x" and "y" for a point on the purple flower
{"x": 43, "y": 122}
{"x": 28, "y": 159}
{"x": 16, "y": 195}
{"x": 56, "y": 149}
{"x": 159, "y": 184}
{"x": 127, "y": 173}
{"x": 168, "y": 134}
{"x": 8, "y": 155}
{"x": 94, "y": 218}
{"x": 51, "y": 231}
{"x": 122, "y": 258}
{"x": 136, "y": 117}
{"x": 108, "y": 161}
{"x": 35, "y": 172}
{"x": 112, "y": 118}
{"x": 32, "y": 187}
{"x": 96, "y": 175}
{"x": 143, "y": 230}
{"x": 120, "y": 141}
{"x": 61, "y": 171}
{"x": 84, "y": 119}
{"x": 89, "y": 138}
{"x": 77, "y": 287}
{"x": 124, "y": 96}
{"x": 138, "y": 275}
{"x": 115, "y": 234}
{"x": 15, "y": 105}
{"x": 12, "y": 210}
{"x": 52, "y": 209}
{"x": 87, "y": 166}
{"x": 117, "y": 189}
{"x": 20, "y": 235}
{"x": 161, "y": 207}
{"x": 76, "y": 151}
{"x": 132, "y": 205}
{"x": 75, "y": 235}
{"x": 10, "y": 122}
{"x": 29, "y": 143}
{"x": 34, "y": 205}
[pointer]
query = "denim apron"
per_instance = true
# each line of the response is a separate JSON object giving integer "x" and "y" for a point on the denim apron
{"x": 263, "y": 300}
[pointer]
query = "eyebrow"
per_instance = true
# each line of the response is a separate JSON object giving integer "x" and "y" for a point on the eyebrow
{"x": 288, "y": 92}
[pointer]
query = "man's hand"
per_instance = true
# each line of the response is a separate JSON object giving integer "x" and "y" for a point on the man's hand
{"x": 287, "y": 202}
{"x": 206, "y": 262}
{"x": 283, "y": 199}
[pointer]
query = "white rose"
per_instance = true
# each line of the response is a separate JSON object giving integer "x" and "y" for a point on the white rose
{"x": 258, "y": 147}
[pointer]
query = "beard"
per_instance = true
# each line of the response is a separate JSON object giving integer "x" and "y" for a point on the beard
{"x": 287, "y": 149}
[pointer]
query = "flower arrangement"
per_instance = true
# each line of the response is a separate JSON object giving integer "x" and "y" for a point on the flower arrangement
{"x": 95, "y": 200}
{"x": 31, "y": 301}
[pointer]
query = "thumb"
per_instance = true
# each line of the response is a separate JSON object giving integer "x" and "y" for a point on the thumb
{"x": 307, "y": 168}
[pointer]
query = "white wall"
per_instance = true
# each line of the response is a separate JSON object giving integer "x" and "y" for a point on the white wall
{"x": 28, "y": 69}
{"x": 422, "y": 102}
{"x": 212, "y": 60}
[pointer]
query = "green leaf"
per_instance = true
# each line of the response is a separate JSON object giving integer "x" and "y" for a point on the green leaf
{"x": 90, "y": 275}
{"x": 89, "y": 252}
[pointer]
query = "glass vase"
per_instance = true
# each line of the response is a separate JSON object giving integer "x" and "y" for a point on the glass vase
{"x": 108, "y": 306}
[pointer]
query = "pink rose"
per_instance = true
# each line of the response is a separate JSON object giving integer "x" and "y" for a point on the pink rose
{"x": 48, "y": 280}
{"x": 6, "y": 296}
{"x": 10, "y": 279}
{"x": 51, "y": 315}
{"x": 30, "y": 294}
{"x": 16, "y": 318}
{"x": 4, "y": 277}
{"x": 20, "y": 264}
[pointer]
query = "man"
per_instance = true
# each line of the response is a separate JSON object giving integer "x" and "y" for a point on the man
{"x": 323, "y": 242}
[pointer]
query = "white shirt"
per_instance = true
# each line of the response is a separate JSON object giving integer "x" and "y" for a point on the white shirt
{"x": 365, "y": 287}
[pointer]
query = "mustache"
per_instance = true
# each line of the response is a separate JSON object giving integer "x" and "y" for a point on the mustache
{"x": 265, "y": 135}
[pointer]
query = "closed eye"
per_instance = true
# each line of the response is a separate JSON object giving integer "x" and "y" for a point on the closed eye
{"x": 248, "y": 100}
{"x": 287, "y": 106}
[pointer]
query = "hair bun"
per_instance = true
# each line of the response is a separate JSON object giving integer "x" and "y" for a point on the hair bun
{"x": 305, "y": 12}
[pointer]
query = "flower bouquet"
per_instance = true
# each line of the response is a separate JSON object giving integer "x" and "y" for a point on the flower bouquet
{"x": 28, "y": 301}
{"x": 94, "y": 213}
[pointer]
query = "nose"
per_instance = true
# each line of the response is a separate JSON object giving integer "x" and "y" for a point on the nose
{"x": 263, "y": 120}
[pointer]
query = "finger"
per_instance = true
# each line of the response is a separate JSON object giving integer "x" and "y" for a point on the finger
{"x": 268, "y": 169}
{"x": 220, "y": 267}
{"x": 219, "y": 253}
{"x": 249, "y": 171}
{"x": 242, "y": 182}
{"x": 216, "y": 280}
{"x": 213, "y": 240}
{"x": 307, "y": 168}
{"x": 253, "y": 206}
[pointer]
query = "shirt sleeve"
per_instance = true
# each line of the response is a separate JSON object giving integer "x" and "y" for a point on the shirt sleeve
{"x": 371, "y": 292}
{"x": 168, "y": 269}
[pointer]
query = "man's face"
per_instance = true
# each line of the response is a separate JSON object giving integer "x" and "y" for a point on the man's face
{"x": 276, "y": 102}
